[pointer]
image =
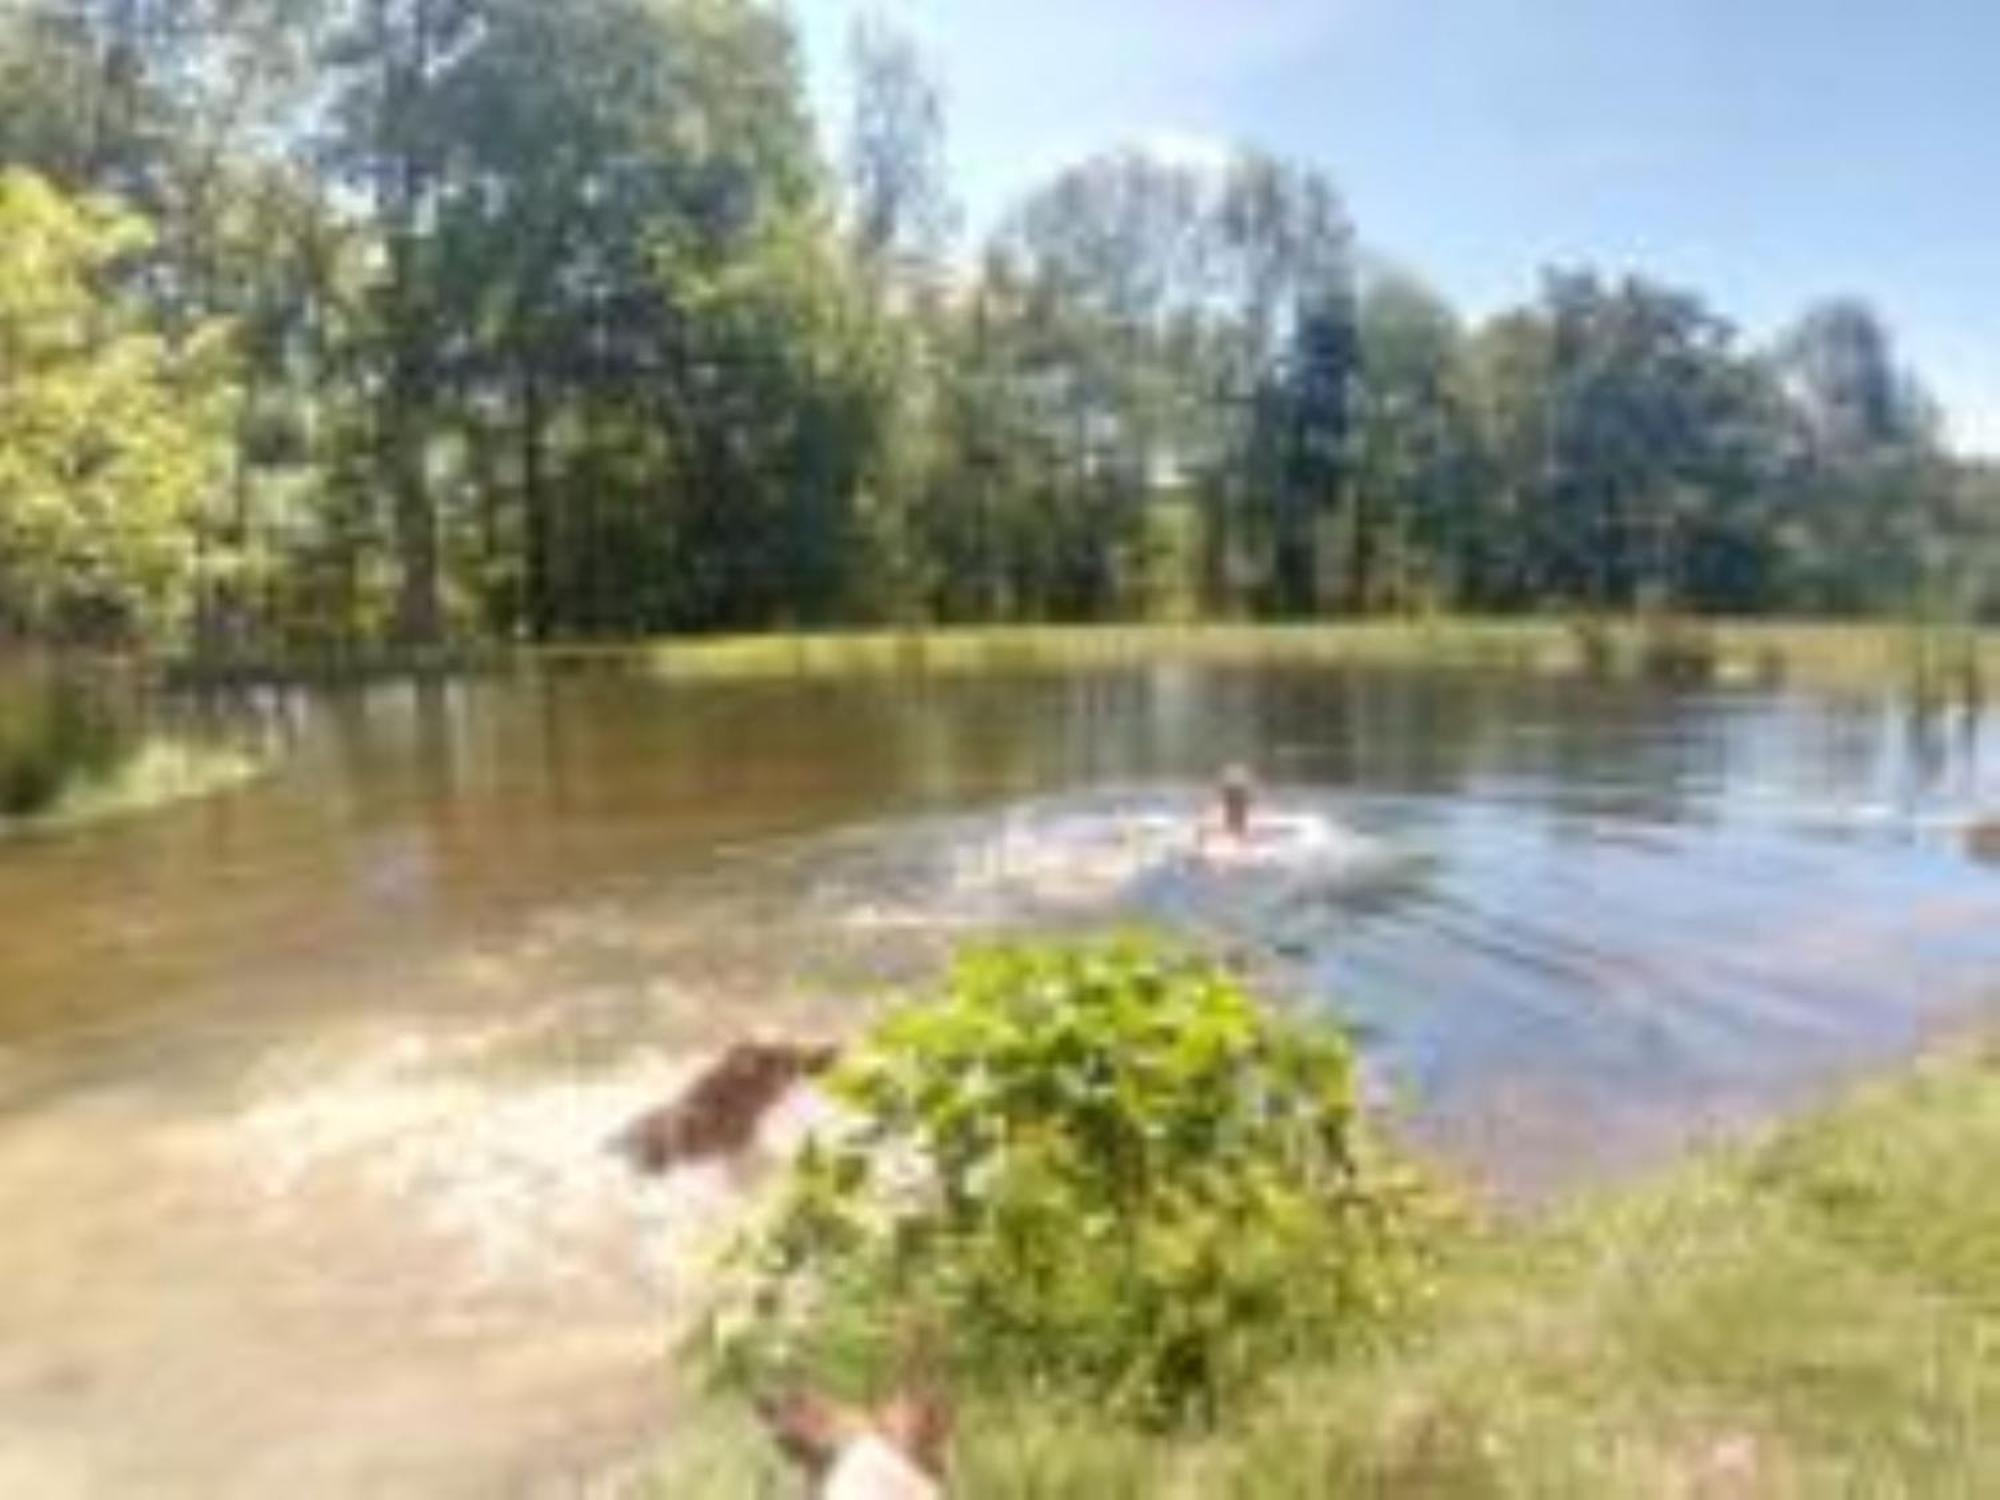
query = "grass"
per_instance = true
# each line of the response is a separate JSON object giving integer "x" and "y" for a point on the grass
{"x": 159, "y": 772}
{"x": 1815, "y": 1313}
{"x": 1846, "y": 655}
{"x": 1826, "y": 654}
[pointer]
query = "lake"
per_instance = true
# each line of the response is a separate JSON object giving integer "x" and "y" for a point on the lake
{"x": 303, "y": 1087}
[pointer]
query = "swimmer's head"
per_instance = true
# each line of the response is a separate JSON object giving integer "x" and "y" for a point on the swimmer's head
{"x": 1233, "y": 789}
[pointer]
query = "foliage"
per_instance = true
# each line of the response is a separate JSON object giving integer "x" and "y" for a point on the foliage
{"x": 1416, "y": 451}
{"x": 57, "y": 728}
{"x": 1809, "y": 1314}
{"x": 113, "y": 436}
{"x": 552, "y": 319}
{"x": 158, "y": 771}
{"x": 1103, "y": 1168}
{"x": 75, "y": 746}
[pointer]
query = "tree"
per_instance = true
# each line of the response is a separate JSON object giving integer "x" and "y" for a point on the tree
{"x": 1649, "y": 425}
{"x": 899, "y": 203}
{"x": 1085, "y": 279}
{"x": 548, "y": 318}
{"x": 1511, "y": 361}
{"x": 1416, "y": 457}
{"x": 900, "y": 220}
{"x": 1868, "y": 503}
{"x": 1284, "y": 260}
{"x": 1180, "y": 341}
{"x": 185, "y": 111}
{"x": 1975, "y": 528}
{"x": 389, "y": 144}
{"x": 112, "y": 437}
{"x": 1839, "y": 366}
{"x": 89, "y": 98}
{"x": 589, "y": 415}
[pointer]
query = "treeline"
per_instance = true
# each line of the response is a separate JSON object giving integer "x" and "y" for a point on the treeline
{"x": 345, "y": 321}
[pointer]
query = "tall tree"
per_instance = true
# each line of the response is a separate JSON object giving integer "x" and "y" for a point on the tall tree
{"x": 113, "y": 436}
{"x": 1648, "y": 410}
{"x": 1840, "y": 368}
{"x": 1415, "y": 453}
{"x": 901, "y": 218}
{"x": 389, "y": 143}
{"x": 548, "y": 318}
{"x": 1869, "y": 498}
{"x": 899, "y": 201}
{"x": 1285, "y": 255}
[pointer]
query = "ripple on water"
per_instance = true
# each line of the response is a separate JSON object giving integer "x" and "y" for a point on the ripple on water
{"x": 1590, "y": 987}
{"x": 496, "y": 1182}
{"x": 399, "y": 1261}
{"x": 1104, "y": 853}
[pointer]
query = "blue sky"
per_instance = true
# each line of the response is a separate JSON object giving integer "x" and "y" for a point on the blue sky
{"x": 1763, "y": 152}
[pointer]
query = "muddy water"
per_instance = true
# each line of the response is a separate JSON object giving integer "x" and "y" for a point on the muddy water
{"x": 303, "y": 1089}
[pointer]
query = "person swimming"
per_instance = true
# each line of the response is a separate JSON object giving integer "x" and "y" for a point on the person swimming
{"x": 1233, "y": 794}
{"x": 1229, "y": 825}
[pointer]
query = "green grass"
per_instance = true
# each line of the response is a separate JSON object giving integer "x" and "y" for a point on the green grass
{"x": 1848, "y": 655}
{"x": 1067, "y": 647}
{"x": 1817, "y": 1313}
{"x": 1812, "y": 653}
{"x": 160, "y": 772}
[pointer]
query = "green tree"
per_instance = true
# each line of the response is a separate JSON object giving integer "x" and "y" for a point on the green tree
{"x": 1103, "y": 1169}
{"x": 110, "y": 437}
{"x": 549, "y": 318}
{"x": 1840, "y": 369}
{"x": 900, "y": 220}
{"x": 1867, "y": 522}
{"x": 1287, "y": 367}
{"x": 388, "y": 144}
{"x": 1629, "y": 440}
{"x": 1416, "y": 454}
{"x": 598, "y": 410}
{"x": 1077, "y": 280}
{"x": 1159, "y": 337}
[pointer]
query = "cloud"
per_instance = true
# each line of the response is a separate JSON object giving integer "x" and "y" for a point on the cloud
{"x": 1972, "y": 423}
{"x": 1032, "y": 87}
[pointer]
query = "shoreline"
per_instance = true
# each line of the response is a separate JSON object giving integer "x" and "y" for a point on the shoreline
{"x": 1785, "y": 1311}
{"x": 1940, "y": 659}
{"x": 163, "y": 772}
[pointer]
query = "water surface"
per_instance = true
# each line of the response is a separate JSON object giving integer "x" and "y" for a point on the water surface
{"x": 302, "y": 1087}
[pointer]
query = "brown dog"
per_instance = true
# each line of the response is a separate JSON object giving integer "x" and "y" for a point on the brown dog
{"x": 718, "y": 1113}
{"x": 892, "y": 1452}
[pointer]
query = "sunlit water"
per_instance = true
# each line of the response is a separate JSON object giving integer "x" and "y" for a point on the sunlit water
{"x": 303, "y": 1090}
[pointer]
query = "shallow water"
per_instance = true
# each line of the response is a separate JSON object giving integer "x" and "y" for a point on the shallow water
{"x": 303, "y": 1088}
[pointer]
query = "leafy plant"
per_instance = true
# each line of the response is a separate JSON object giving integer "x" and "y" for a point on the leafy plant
{"x": 114, "y": 434}
{"x": 56, "y": 729}
{"x": 1105, "y": 1168}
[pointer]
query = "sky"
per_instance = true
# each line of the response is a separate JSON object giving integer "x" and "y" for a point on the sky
{"x": 1766, "y": 153}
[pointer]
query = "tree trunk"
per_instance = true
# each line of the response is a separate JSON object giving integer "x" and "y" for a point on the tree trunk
{"x": 401, "y": 182}
{"x": 417, "y": 615}
{"x": 539, "y": 522}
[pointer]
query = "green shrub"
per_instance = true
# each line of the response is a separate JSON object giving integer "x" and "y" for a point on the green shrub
{"x": 1102, "y": 1168}
{"x": 1676, "y": 649}
{"x": 1596, "y": 645}
{"x": 56, "y": 729}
